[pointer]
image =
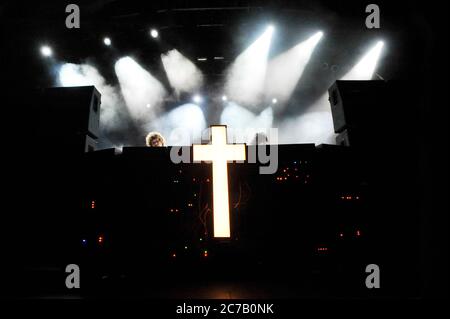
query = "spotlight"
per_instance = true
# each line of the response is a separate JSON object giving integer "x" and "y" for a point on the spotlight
{"x": 183, "y": 75}
{"x": 270, "y": 28}
{"x": 224, "y": 98}
{"x": 246, "y": 76}
{"x": 107, "y": 41}
{"x": 154, "y": 33}
{"x": 46, "y": 51}
{"x": 197, "y": 99}
{"x": 138, "y": 87}
{"x": 365, "y": 68}
{"x": 286, "y": 69}
{"x": 274, "y": 101}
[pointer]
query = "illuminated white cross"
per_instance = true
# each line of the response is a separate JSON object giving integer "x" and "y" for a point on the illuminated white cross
{"x": 220, "y": 153}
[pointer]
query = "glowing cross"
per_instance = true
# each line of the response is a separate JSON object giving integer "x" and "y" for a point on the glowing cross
{"x": 219, "y": 153}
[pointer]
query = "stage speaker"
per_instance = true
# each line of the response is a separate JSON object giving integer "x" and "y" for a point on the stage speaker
{"x": 69, "y": 117}
{"x": 70, "y": 110}
{"x": 356, "y": 104}
{"x": 343, "y": 139}
{"x": 90, "y": 144}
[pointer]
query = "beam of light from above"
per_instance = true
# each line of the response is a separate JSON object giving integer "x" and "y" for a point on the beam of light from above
{"x": 285, "y": 70}
{"x": 366, "y": 66}
{"x": 182, "y": 74}
{"x": 181, "y": 126}
{"x": 246, "y": 76}
{"x": 77, "y": 75}
{"x": 243, "y": 124}
{"x": 139, "y": 89}
{"x": 311, "y": 127}
{"x": 70, "y": 74}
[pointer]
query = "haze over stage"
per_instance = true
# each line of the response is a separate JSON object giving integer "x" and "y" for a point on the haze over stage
{"x": 252, "y": 60}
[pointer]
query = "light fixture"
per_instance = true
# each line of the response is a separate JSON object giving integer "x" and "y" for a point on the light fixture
{"x": 46, "y": 51}
{"x": 219, "y": 153}
{"x": 154, "y": 33}
{"x": 197, "y": 99}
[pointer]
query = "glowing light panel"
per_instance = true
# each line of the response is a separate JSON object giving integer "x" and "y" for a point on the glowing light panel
{"x": 220, "y": 153}
{"x": 182, "y": 74}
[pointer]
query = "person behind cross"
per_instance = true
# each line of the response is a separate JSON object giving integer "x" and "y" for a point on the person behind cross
{"x": 155, "y": 139}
